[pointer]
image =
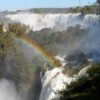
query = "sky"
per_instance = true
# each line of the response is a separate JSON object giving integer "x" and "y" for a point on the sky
{"x": 25, "y": 4}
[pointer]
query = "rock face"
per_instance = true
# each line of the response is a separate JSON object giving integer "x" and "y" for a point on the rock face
{"x": 54, "y": 81}
{"x": 94, "y": 55}
{"x": 98, "y": 1}
{"x": 54, "y": 21}
{"x": 61, "y": 22}
{"x": 76, "y": 57}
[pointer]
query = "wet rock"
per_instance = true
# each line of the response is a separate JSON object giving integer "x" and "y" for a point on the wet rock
{"x": 76, "y": 57}
{"x": 94, "y": 56}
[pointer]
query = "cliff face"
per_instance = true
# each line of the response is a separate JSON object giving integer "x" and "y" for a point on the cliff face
{"x": 72, "y": 38}
{"x": 77, "y": 31}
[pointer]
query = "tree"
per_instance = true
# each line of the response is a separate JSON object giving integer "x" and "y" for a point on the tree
{"x": 1, "y": 28}
{"x": 85, "y": 88}
{"x": 18, "y": 28}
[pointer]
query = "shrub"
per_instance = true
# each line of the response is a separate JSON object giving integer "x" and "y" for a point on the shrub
{"x": 87, "y": 88}
{"x": 18, "y": 28}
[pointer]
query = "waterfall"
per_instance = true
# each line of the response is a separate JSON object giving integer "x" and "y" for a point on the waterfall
{"x": 55, "y": 21}
{"x": 60, "y": 22}
{"x": 54, "y": 80}
{"x": 8, "y": 90}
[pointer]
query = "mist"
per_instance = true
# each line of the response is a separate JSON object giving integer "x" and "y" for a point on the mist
{"x": 8, "y": 90}
{"x": 89, "y": 43}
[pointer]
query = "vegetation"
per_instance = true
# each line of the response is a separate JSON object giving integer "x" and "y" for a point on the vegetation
{"x": 1, "y": 28}
{"x": 88, "y": 9}
{"x": 6, "y": 38}
{"x": 11, "y": 54}
{"x": 84, "y": 88}
{"x": 6, "y": 42}
{"x": 52, "y": 41}
{"x": 70, "y": 71}
{"x": 87, "y": 88}
{"x": 18, "y": 29}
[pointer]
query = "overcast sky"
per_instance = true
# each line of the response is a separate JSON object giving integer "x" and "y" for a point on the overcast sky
{"x": 25, "y": 4}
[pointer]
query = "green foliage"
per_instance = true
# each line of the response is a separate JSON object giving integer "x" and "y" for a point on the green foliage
{"x": 76, "y": 33}
{"x": 88, "y": 9}
{"x": 6, "y": 42}
{"x": 55, "y": 41}
{"x": 23, "y": 68}
{"x": 1, "y": 27}
{"x": 94, "y": 70}
{"x": 70, "y": 71}
{"x": 10, "y": 50}
{"x": 87, "y": 88}
{"x": 17, "y": 28}
{"x": 6, "y": 38}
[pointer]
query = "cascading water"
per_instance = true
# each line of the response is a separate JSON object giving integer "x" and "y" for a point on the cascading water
{"x": 54, "y": 80}
{"x": 61, "y": 22}
{"x": 56, "y": 21}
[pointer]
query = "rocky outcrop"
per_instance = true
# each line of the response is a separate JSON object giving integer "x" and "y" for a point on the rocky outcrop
{"x": 76, "y": 57}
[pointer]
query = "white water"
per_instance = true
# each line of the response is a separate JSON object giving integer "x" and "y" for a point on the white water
{"x": 54, "y": 80}
{"x": 60, "y": 22}
{"x": 8, "y": 90}
{"x": 55, "y": 21}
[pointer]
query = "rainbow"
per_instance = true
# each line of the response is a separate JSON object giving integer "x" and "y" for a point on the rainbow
{"x": 47, "y": 55}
